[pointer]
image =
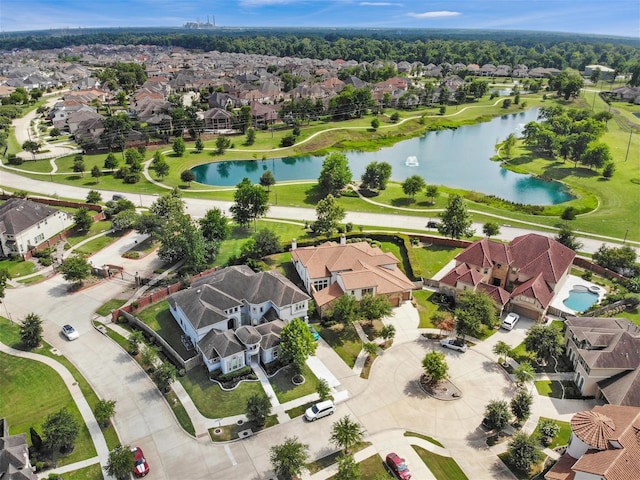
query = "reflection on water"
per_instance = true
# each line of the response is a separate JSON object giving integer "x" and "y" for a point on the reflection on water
{"x": 457, "y": 158}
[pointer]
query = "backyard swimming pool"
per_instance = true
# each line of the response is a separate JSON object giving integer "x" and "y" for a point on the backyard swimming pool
{"x": 580, "y": 298}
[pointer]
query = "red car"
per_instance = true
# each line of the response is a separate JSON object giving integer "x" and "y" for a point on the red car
{"x": 397, "y": 466}
{"x": 140, "y": 465}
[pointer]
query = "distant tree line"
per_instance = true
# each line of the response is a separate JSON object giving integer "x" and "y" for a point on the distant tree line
{"x": 538, "y": 49}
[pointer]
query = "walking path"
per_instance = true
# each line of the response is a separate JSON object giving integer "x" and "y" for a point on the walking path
{"x": 84, "y": 408}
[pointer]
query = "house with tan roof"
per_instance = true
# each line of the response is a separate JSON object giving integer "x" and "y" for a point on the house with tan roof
{"x": 605, "y": 353}
{"x": 604, "y": 445}
{"x": 523, "y": 275}
{"x": 234, "y": 316}
{"x": 332, "y": 269}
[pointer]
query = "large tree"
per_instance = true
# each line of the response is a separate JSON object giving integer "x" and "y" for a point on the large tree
{"x": 374, "y": 307}
{"x": 544, "y": 340}
{"x": 346, "y": 309}
{"x": 435, "y": 366}
{"x": 376, "y": 176}
{"x": 521, "y": 405}
{"x": 567, "y": 238}
{"x": 31, "y": 330}
{"x": 267, "y": 180}
{"x": 289, "y": 458}
{"x": 121, "y": 462}
{"x": 498, "y": 414}
{"x": 165, "y": 375}
{"x": 60, "y": 430}
{"x": 346, "y": 433}
{"x": 83, "y": 219}
{"x": 296, "y": 344}
{"x": 524, "y": 451}
{"x": 456, "y": 222}
{"x": 103, "y": 411}
{"x": 335, "y": 174}
{"x": 75, "y": 269}
{"x": 328, "y": 216}
{"x": 214, "y": 225}
{"x": 258, "y": 408}
{"x": 251, "y": 203}
{"x": 412, "y": 185}
{"x": 619, "y": 259}
{"x": 478, "y": 305}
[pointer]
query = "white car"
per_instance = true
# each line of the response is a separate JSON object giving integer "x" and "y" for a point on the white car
{"x": 510, "y": 321}
{"x": 70, "y": 332}
{"x": 454, "y": 344}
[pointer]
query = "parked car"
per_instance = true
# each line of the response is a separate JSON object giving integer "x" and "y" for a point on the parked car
{"x": 140, "y": 465}
{"x": 70, "y": 332}
{"x": 510, "y": 321}
{"x": 397, "y": 466}
{"x": 432, "y": 224}
{"x": 314, "y": 332}
{"x": 319, "y": 410}
{"x": 454, "y": 344}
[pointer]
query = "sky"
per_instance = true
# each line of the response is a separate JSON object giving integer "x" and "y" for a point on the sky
{"x": 605, "y": 17}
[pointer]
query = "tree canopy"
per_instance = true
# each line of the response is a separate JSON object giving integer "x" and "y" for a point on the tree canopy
{"x": 251, "y": 203}
{"x": 456, "y": 222}
{"x": 335, "y": 174}
{"x": 296, "y": 344}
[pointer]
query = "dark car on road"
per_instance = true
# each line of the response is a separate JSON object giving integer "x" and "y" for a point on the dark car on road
{"x": 397, "y": 466}
{"x": 432, "y": 224}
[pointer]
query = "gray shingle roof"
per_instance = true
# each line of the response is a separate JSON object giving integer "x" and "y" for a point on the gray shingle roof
{"x": 18, "y": 214}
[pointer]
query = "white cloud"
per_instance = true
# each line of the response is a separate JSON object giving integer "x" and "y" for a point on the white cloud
{"x": 442, "y": 13}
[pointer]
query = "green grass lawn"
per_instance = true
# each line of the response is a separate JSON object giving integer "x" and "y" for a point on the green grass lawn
{"x": 426, "y": 307}
{"x": 10, "y": 335}
{"x": 30, "y": 392}
{"x": 424, "y": 437}
{"x": 372, "y": 467}
{"x": 113, "y": 304}
{"x": 299, "y": 410}
{"x": 563, "y": 436}
{"x": 92, "y": 472}
{"x": 17, "y": 268}
{"x": 443, "y": 468}
{"x": 285, "y": 389}
{"x": 179, "y": 411}
{"x": 159, "y": 318}
{"x": 431, "y": 259}
{"x": 553, "y": 389}
{"x": 231, "y": 432}
{"x": 343, "y": 339}
{"x": 211, "y": 400}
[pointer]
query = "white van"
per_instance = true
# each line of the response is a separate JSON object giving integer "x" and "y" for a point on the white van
{"x": 319, "y": 410}
{"x": 510, "y": 321}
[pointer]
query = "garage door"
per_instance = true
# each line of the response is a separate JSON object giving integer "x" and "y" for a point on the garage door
{"x": 526, "y": 312}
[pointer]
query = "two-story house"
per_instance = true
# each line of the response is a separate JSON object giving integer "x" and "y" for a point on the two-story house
{"x": 25, "y": 224}
{"x": 14, "y": 455}
{"x": 528, "y": 271}
{"x": 605, "y": 353}
{"x": 604, "y": 445}
{"x": 331, "y": 270}
{"x": 234, "y": 316}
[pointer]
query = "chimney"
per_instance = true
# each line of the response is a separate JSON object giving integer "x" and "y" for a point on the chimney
{"x": 343, "y": 240}
{"x": 294, "y": 244}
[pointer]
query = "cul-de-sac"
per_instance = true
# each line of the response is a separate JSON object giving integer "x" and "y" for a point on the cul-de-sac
{"x": 320, "y": 253}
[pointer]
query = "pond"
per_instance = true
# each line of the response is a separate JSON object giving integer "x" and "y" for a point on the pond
{"x": 456, "y": 158}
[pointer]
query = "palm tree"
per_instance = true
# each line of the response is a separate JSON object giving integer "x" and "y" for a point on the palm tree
{"x": 289, "y": 459}
{"x": 345, "y": 433}
{"x": 121, "y": 462}
{"x": 134, "y": 340}
{"x": 502, "y": 349}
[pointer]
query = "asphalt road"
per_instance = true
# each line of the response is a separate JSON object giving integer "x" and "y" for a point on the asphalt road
{"x": 198, "y": 207}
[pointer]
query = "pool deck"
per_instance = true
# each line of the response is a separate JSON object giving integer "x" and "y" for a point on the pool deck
{"x": 570, "y": 282}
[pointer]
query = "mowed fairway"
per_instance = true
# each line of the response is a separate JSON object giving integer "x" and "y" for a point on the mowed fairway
{"x": 32, "y": 390}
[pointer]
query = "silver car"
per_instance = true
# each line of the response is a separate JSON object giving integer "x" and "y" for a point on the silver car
{"x": 454, "y": 344}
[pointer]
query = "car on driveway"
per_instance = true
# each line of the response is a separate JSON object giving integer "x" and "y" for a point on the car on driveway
{"x": 510, "y": 321}
{"x": 140, "y": 465}
{"x": 319, "y": 410}
{"x": 397, "y": 466}
{"x": 70, "y": 332}
{"x": 314, "y": 332}
{"x": 454, "y": 344}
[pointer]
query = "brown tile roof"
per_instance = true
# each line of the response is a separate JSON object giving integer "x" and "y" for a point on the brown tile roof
{"x": 533, "y": 254}
{"x": 535, "y": 288}
{"x": 593, "y": 428}
{"x": 620, "y": 460}
{"x": 498, "y": 294}
{"x": 462, "y": 273}
{"x": 485, "y": 253}
{"x": 562, "y": 470}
